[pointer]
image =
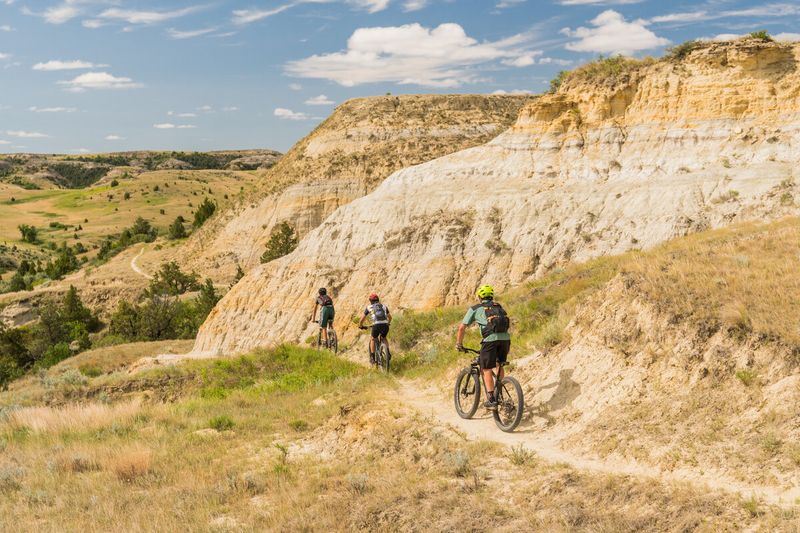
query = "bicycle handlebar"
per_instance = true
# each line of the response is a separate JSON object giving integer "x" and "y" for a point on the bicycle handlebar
{"x": 466, "y": 349}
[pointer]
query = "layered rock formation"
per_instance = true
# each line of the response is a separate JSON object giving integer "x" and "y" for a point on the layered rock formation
{"x": 603, "y": 166}
{"x": 344, "y": 158}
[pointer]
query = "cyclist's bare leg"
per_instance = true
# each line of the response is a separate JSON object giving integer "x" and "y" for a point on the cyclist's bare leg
{"x": 324, "y": 335}
{"x": 500, "y": 371}
{"x": 372, "y": 345}
{"x": 487, "y": 378}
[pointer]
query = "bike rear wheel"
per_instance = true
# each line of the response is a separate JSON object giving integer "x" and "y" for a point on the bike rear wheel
{"x": 333, "y": 341}
{"x": 467, "y": 393}
{"x": 510, "y": 404}
{"x": 384, "y": 356}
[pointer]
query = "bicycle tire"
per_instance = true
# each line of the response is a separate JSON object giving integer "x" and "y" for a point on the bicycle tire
{"x": 510, "y": 404}
{"x": 333, "y": 342}
{"x": 384, "y": 357}
{"x": 319, "y": 340}
{"x": 467, "y": 385}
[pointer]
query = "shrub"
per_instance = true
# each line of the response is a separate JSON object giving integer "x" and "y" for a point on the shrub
{"x": 221, "y": 423}
{"x": 29, "y": 233}
{"x": 176, "y": 229}
{"x": 681, "y": 51}
{"x": 131, "y": 464}
{"x": 520, "y": 456}
{"x": 204, "y": 211}
{"x": 114, "y": 182}
{"x": 762, "y": 35}
{"x": 77, "y": 176}
{"x": 65, "y": 262}
{"x": 172, "y": 281}
{"x": 555, "y": 83}
{"x": 282, "y": 242}
{"x": 126, "y": 196}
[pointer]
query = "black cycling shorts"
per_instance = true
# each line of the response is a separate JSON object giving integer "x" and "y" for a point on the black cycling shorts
{"x": 494, "y": 352}
{"x": 380, "y": 329}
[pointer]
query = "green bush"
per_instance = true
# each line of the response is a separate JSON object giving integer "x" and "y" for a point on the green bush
{"x": 29, "y": 233}
{"x": 176, "y": 229}
{"x": 681, "y": 51}
{"x": 283, "y": 241}
{"x": 76, "y": 175}
{"x": 221, "y": 423}
{"x": 762, "y": 35}
{"x": 204, "y": 212}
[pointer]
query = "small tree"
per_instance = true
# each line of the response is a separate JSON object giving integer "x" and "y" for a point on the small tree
{"x": 204, "y": 211}
{"x": 29, "y": 233}
{"x": 282, "y": 242}
{"x": 176, "y": 229}
{"x": 172, "y": 281}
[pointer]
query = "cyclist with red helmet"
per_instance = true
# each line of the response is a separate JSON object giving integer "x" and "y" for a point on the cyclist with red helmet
{"x": 381, "y": 318}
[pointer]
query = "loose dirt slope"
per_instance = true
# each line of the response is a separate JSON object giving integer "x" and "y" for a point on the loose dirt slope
{"x": 611, "y": 162}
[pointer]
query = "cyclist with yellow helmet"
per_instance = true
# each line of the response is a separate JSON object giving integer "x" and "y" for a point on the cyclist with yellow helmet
{"x": 496, "y": 341}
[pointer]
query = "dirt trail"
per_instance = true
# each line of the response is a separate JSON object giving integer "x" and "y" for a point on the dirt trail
{"x": 136, "y": 268}
{"x": 440, "y": 406}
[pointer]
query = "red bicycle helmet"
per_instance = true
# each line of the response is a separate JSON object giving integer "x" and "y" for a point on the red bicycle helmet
{"x": 373, "y": 297}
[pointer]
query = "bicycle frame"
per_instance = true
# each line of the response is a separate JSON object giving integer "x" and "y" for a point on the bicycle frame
{"x": 476, "y": 366}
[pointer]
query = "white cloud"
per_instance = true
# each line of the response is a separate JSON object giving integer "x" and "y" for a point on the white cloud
{"x": 181, "y": 115}
{"x": 4, "y": 142}
{"x": 787, "y": 37}
{"x": 295, "y": 87}
{"x": 775, "y": 10}
{"x": 93, "y": 24}
{"x": 319, "y": 100}
{"x": 113, "y": 137}
{"x": 681, "y": 17}
{"x": 26, "y": 134}
{"x": 132, "y": 16}
{"x": 612, "y": 34}
{"x": 80, "y": 150}
{"x": 722, "y": 37}
{"x": 4, "y": 56}
{"x": 524, "y": 60}
{"x": 98, "y": 80}
{"x": 6, "y": 28}
{"x": 288, "y": 114}
{"x": 504, "y": 4}
{"x": 411, "y": 54}
{"x": 171, "y": 126}
{"x": 554, "y": 61}
{"x": 205, "y": 108}
{"x": 371, "y": 6}
{"x": 513, "y": 92}
{"x": 52, "y": 109}
{"x": 415, "y": 5}
{"x": 230, "y": 108}
{"x": 56, "y": 64}
{"x": 177, "y": 34}
{"x": 246, "y": 16}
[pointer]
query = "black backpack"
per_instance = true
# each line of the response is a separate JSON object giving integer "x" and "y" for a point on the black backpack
{"x": 325, "y": 300}
{"x": 379, "y": 312}
{"x": 497, "y": 320}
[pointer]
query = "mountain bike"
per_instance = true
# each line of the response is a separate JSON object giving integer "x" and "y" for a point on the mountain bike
{"x": 333, "y": 340}
{"x": 507, "y": 392}
{"x": 382, "y": 357}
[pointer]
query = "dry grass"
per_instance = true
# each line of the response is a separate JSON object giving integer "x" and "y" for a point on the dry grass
{"x": 130, "y": 463}
{"x": 743, "y": 279}
{"x": 72, "y": 418}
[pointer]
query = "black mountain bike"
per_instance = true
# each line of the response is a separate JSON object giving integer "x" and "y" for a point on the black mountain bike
{"x": 333, "y": 340}
{"x": 382, "y": 357}
{"x": 507, "y": 393}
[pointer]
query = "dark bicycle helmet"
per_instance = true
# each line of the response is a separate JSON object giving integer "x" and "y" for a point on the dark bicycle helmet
{"x": 323, "y": 290}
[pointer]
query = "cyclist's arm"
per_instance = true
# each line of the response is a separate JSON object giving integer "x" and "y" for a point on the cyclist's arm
{"x": 388, "y": 316}
{"x": 462, "y": 328}
{"x": 361, "y": 322}
{"x": 314, "y": 312}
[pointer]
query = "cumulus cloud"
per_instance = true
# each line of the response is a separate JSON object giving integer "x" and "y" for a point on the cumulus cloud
{"x": 133, "y": 16}
{"x": 171, "y": 126}
{"x": 181, "y": 115}
{"x": 554, "y": 61}
{"x": 503, "y": 4}
{"x": 52, "y": 109}
{"x": 6, "y": 28}
{"x": 612, "y": 34}
{"x": 230, "y": 108}
{"x": 26, "y": 134}
{"x": 514, "y": 92}
{"x": 56, "y": 64}
{"x": 295, "y": 87}
{"x": 444, "y": 56}
{"x": 787, "y": 37}
{"x": 113, "y": 137}
{"x": 4, "y": 56}
{"x": 319, "y": 100}
{"x": 98, "y": 80}
{"x": 524, "y": 60}
{"x": 288, "y": 114}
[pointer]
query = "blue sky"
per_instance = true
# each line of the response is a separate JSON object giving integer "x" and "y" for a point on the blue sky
{"x": 109, "y": 75}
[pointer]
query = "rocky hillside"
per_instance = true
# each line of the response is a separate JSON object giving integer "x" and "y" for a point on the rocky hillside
{"x": 618, "y": 158}
{"x": 348, "y": 155}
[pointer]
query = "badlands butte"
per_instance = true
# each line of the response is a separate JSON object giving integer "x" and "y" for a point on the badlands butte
{"x": 611, "y": 161}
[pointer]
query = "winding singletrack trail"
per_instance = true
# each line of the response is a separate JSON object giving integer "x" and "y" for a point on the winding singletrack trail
{"x": 482, "y": 427}
{"x": 136, "y": 268}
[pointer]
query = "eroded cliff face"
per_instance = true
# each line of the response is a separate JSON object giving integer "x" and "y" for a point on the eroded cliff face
{"x": 346, "y": 157}
{"x": 598, "y": 168}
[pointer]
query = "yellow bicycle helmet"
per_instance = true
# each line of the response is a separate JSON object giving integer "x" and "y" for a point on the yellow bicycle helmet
{"x": 486, "y": 291}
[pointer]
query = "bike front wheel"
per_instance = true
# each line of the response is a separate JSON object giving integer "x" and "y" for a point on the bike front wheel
{"x": 333, "y": 341}
{"x": 384, "y": 357}
{"x": 467, "y": 393}
{"x": 510, "y": 404}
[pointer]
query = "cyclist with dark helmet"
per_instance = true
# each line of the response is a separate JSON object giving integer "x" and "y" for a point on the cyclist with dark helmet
{"x": 495, "y": 343}
{"x": 327, "y": 312}
{"x": 381, "y": 318}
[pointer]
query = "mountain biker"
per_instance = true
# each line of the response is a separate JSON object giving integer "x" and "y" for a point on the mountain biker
{"x": 495, "y": 343}
{"x": 327, "y": 312}
{"x": 381, "y": 318}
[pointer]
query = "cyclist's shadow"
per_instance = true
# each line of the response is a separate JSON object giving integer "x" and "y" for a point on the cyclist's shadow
{"x": 566, "y": 390}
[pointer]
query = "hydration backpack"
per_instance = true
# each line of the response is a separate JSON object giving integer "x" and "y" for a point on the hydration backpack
{"x": 497, "y": 320}
{"x": 325, "y": 300}
{"x": 379, "y": 312}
